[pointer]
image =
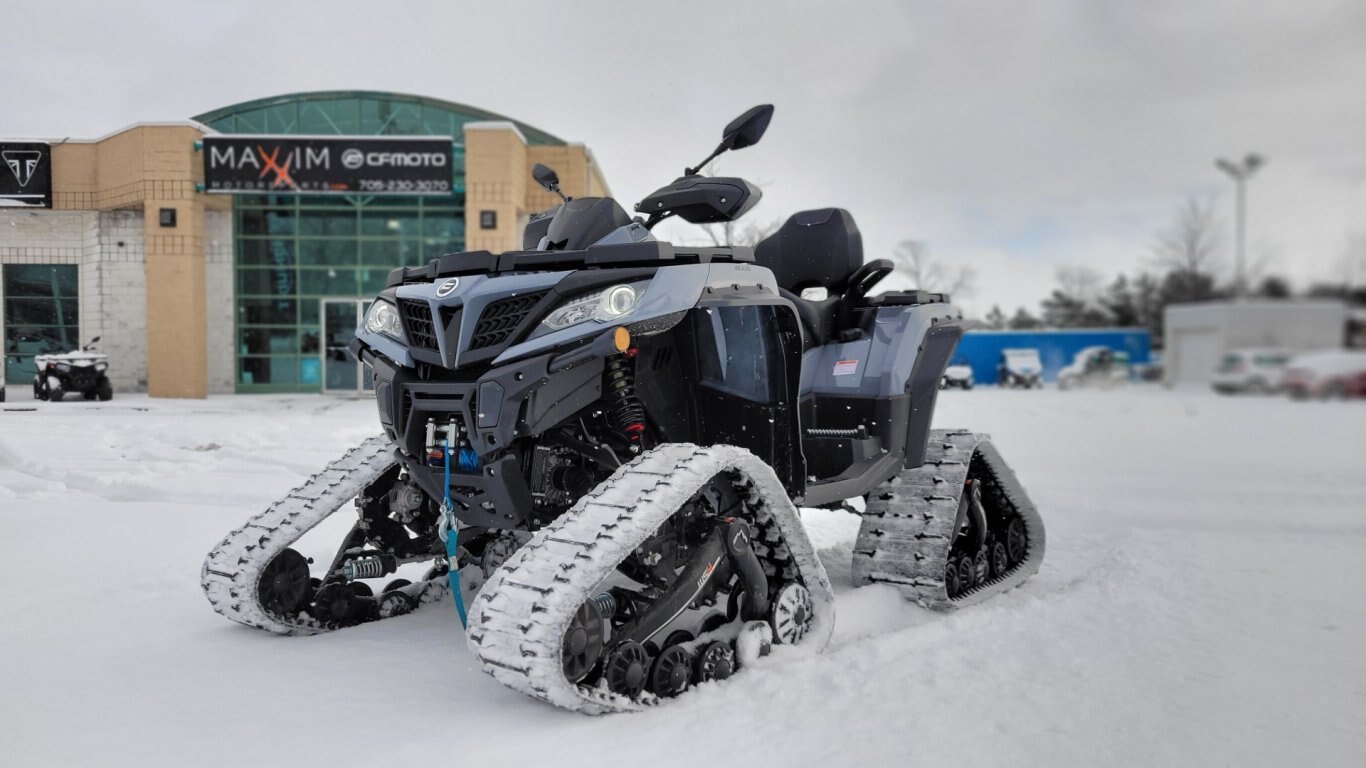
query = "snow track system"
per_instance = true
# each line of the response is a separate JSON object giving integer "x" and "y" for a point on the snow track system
{"x": 952, "y": 532}
{"x": 252, "y": 572}
{"x": 682, "y": 566}
{"x": 528, "y": 620}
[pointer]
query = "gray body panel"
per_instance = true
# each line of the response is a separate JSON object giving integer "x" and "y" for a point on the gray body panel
{"x": 879, "y": 366}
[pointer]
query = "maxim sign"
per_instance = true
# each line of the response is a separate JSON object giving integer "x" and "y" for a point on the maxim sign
{"x": 371, "y": 165}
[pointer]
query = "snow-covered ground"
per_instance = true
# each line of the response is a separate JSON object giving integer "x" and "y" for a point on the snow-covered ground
{"x": 1202, "y": 603}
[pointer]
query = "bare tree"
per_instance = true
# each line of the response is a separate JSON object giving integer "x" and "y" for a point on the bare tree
{"x": 1191, "y": 244}
{"x": 1081, "y": 283}
{"x": 913, "y": 260}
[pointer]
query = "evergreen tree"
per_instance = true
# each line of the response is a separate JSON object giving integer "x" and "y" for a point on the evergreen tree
{"x": 996, "y": 319}
{"x": 1023, "y": 321}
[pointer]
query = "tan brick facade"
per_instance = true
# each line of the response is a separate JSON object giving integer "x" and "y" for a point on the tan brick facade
{"x": 498, "y": 166}
{"x": 149, "y": 168}
{"x": 178, "y": 282}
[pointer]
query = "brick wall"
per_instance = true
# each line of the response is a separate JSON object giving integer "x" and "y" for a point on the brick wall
{"x": 218, "y": 301}
{"x": 114, "y": 296}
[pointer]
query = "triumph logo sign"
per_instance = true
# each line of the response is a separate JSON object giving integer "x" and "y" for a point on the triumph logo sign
{"x": 26, "y": 178}
{"x": 398, "y": 165}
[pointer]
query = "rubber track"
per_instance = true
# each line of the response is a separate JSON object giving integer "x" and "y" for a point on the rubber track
{"x": 231, "y": 570}
{"x": 519, "y": 618}
{"x": 907, "y": 524}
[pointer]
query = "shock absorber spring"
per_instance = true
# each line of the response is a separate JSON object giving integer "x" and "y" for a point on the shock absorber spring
{"x": 607, "y": 605}
{"x": 369, "y": 567}
{"x": 627, "y": 412}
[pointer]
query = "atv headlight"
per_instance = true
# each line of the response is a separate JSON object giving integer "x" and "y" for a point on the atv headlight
{"x": 603, "y": 306}
{"x": 383, "y": 318}
{"x": 63, "y": 367}
{"x": 100, "y": 367}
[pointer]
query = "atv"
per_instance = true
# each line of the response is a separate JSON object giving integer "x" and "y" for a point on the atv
{"x": 1020, "y": 369}
{"x": 83, "y": 371}
{"x": 610, "y": 435}
{"x": 957, "y": 374}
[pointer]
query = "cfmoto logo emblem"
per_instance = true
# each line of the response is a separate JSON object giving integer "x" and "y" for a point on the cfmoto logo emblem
{"x": 447, "y": 287}
{"x": 353, "y": 158}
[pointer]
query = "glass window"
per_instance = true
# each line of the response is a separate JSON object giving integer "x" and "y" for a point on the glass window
{"x": 328, "y": 252}
{"x": 266, "y": 251}
{"x": 267, "y": 282}
{"x": 372, "y": 281}
{"x": 329, "y": 116}
{"x": 267, "y": 312}
{"x": 293, "y": 252}
{"x": 268, "y": 341}
{"x": 41, "y": 314}
{"x": 270, "y": 370}
{"x": 328, "y": 281}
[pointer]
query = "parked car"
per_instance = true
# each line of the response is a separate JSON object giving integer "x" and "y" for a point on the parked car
{"x": 1325, "y": 375}
{"x": 1097, "y": 366}
{"x": 1020, "y": 369}
{"x": 1250, "y": 371}
{"x": 957, "y": 375}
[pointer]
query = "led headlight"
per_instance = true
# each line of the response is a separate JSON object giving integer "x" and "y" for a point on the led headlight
{"x": 383, "y": 318}
{"x": 603, "y": 306}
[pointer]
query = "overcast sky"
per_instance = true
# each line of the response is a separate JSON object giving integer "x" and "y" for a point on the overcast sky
{"x": 1016, "y": 137}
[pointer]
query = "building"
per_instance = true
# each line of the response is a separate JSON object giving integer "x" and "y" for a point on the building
{"x": 1197, "y": 335}
{"x": 194, "y": 292}
{"x": 982, "y": 349}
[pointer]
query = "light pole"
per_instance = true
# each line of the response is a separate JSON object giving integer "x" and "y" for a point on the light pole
{"x": 1240, "y": 173}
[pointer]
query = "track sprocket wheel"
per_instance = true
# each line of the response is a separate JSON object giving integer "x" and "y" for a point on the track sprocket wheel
{"x": 1000, "y": 560}
{"x": 1016, "y": 540}
{"x": 284, "y": 586}
{"x": 672, "y": 671}
{"x": 715, "y": 662}
{"x": 395, "y": 603}
{"x": 626, "y": 669}
{"x": 337, "y": 605}
{"x": 967, "y": 572}
{"x": 583, "y": 641}
{"x": 953, "y": 585}
{"x": 791, "y": 614}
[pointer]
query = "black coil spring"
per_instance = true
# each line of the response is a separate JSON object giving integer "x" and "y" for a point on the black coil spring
{"x": 627, "y": 412}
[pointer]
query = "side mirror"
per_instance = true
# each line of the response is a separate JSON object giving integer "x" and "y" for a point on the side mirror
{"x": 546, "y": 177}
{"x": 743, "y": 131}
{"x": 747, "y": 129}
{"x": 97, "y": 338}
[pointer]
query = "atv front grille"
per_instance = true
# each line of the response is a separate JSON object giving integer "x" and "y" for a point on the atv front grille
{"x": 417, "y": 321}
{"x": 501, "y": 318}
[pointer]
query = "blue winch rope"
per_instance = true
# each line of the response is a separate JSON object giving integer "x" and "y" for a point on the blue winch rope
{"x": 452, "y": 540}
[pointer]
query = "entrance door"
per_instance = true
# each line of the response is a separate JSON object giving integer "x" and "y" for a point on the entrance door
{"x": 342, "y": 373}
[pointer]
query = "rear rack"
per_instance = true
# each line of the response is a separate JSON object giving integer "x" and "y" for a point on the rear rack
{"x": 653, "y": 254}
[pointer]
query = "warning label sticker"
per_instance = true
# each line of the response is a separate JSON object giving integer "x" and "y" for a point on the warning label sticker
{"x": 846, "y": 367}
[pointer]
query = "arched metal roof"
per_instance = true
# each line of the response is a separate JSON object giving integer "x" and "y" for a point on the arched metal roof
{"x": 363, "y": 113}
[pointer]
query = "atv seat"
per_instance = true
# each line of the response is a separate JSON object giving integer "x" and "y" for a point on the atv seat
{"x": 821, "y": 249}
